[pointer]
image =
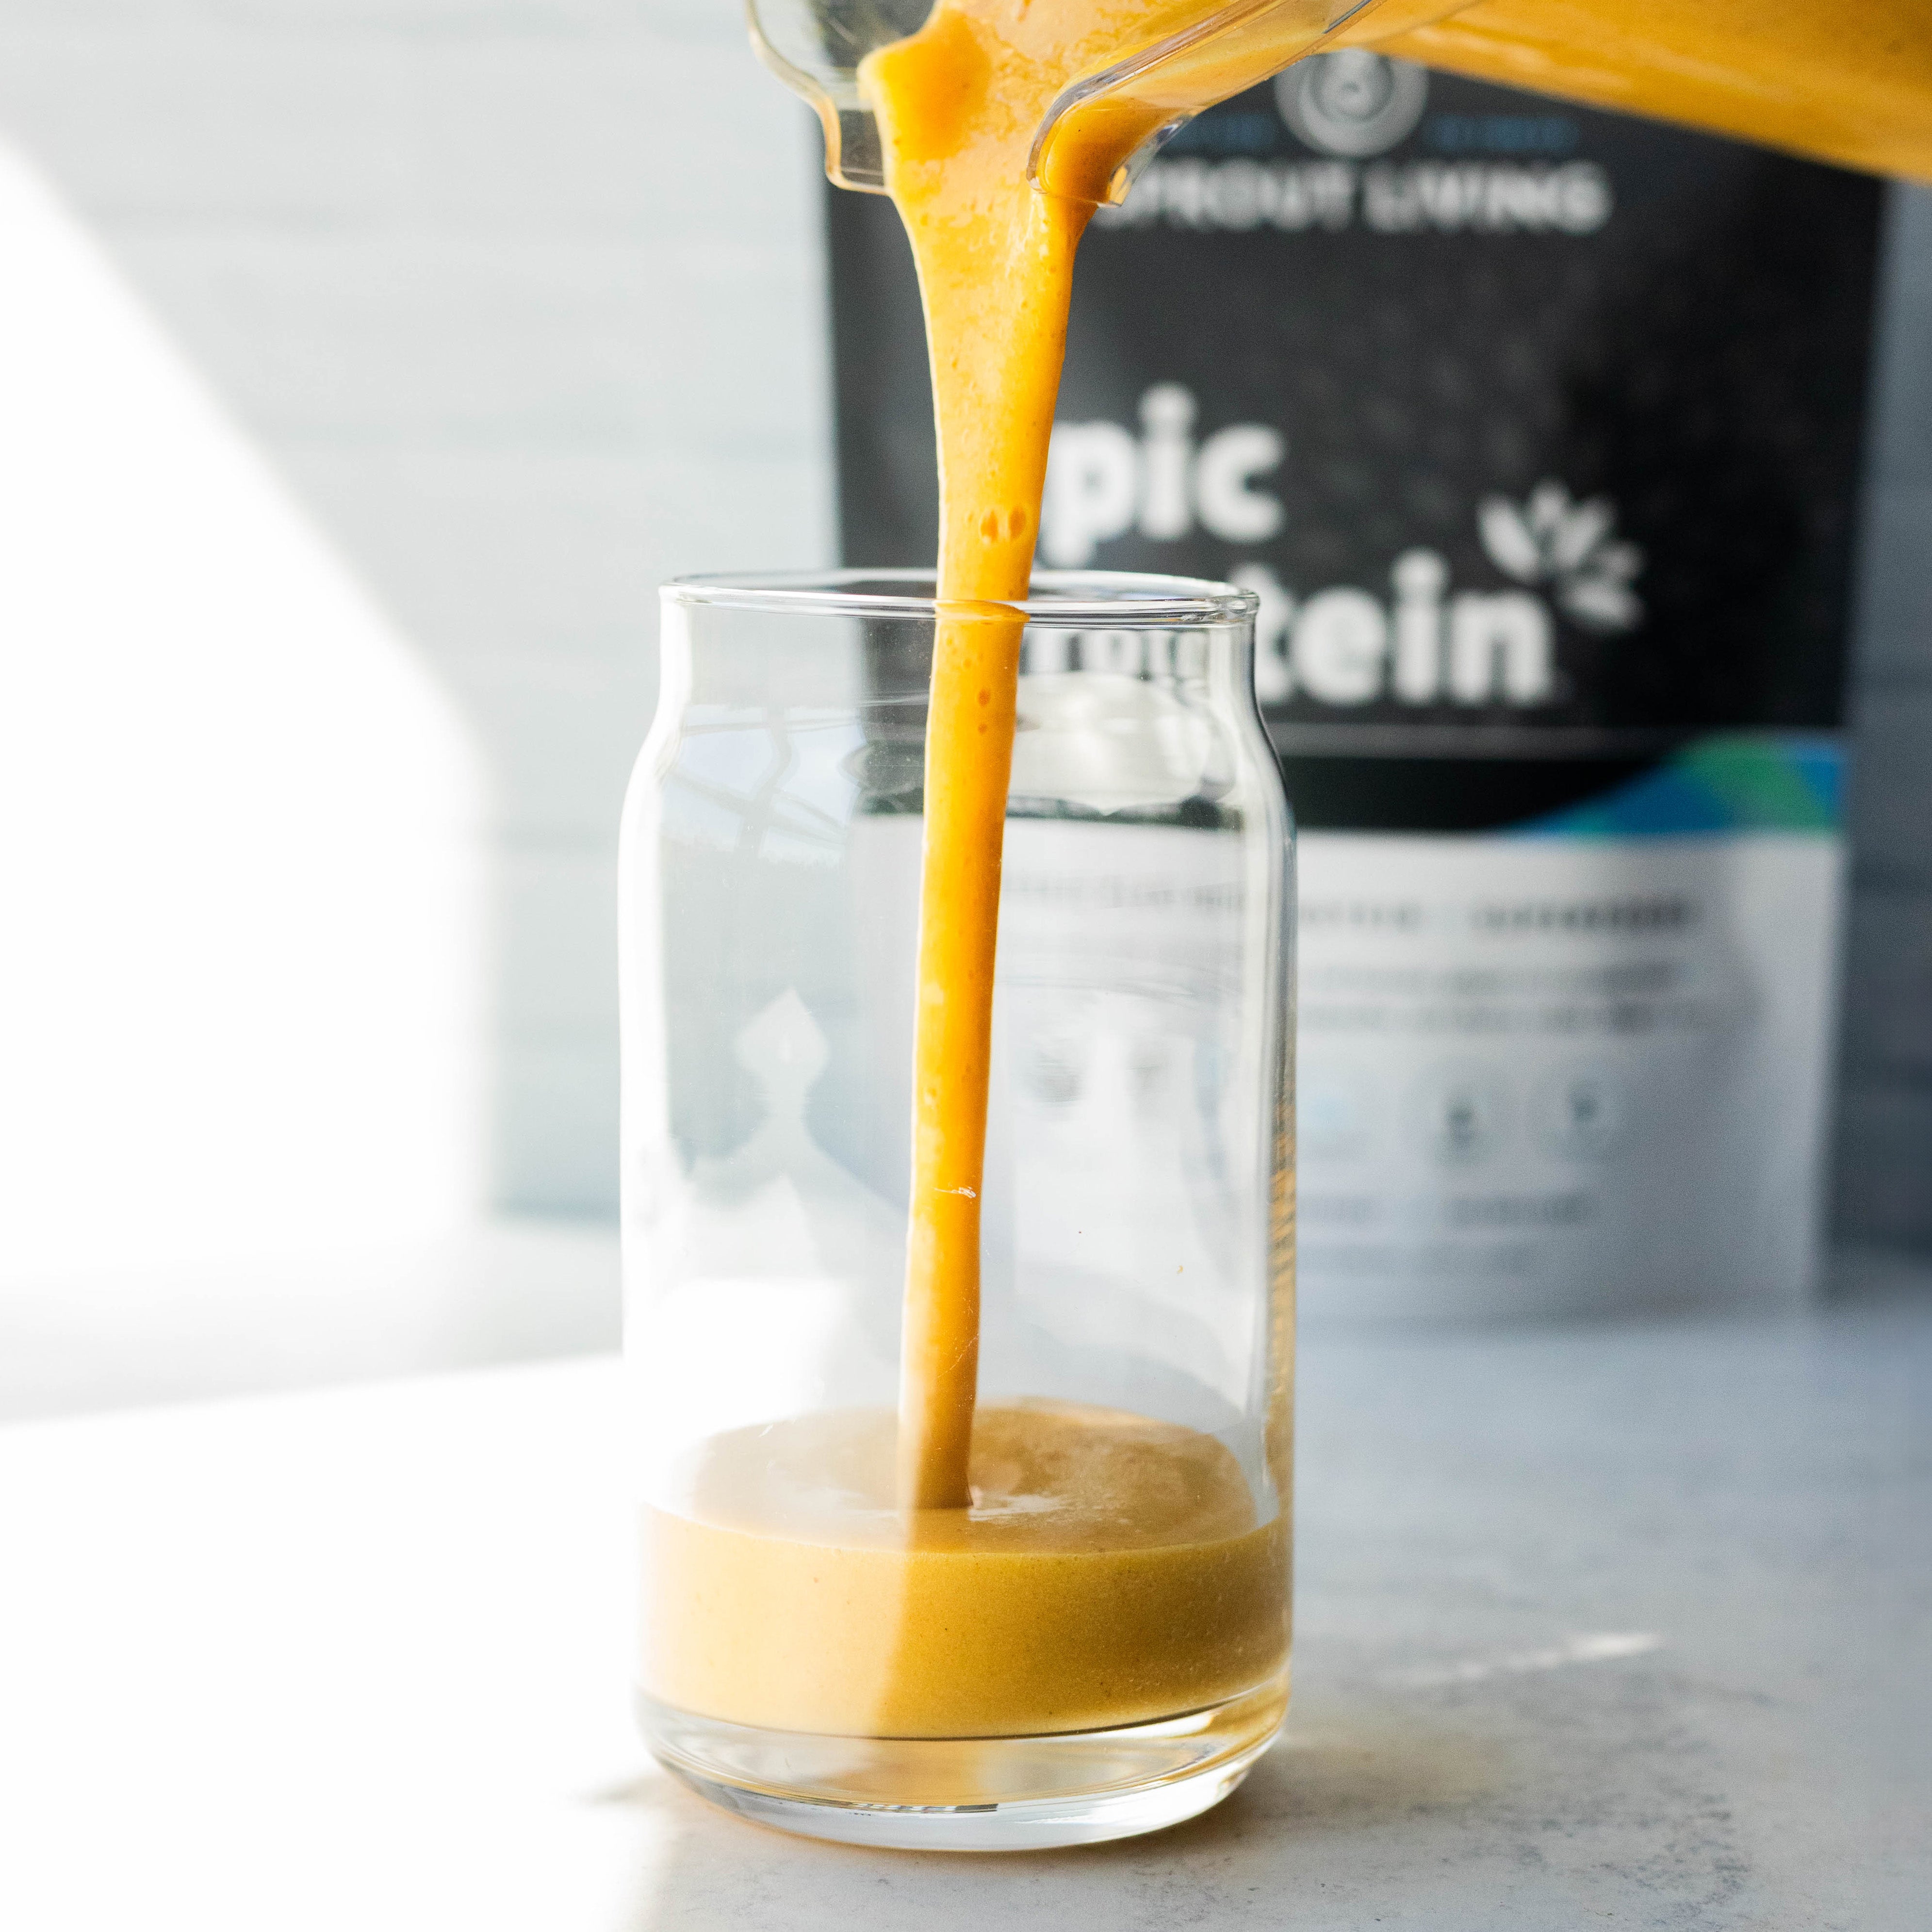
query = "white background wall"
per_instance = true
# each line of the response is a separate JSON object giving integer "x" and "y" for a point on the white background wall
{"x": 522, "y": 297}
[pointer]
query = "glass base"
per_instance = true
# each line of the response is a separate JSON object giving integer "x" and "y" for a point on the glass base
{"x": 972, "y": 1794}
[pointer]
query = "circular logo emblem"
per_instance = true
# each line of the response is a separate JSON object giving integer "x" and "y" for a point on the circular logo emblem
{"x": 1352, "y": 103}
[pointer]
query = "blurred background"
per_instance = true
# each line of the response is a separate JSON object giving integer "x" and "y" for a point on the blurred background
{"x": 364, "y": 364}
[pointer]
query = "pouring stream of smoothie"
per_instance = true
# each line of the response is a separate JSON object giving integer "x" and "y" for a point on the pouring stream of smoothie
{"x": 958, "y": 104}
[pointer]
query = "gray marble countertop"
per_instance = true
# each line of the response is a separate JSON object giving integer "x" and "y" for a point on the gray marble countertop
{"x": 1625, "y": 1623}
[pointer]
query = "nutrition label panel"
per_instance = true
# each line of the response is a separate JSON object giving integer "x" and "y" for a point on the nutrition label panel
{"x": 1512, "y": 1051}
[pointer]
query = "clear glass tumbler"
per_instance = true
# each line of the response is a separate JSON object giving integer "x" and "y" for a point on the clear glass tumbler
{"x": 1099, "y": 1645}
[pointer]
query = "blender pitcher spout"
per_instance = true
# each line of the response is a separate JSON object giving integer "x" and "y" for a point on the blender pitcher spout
{"x": 1105, "y": 124}
{"x": 814, "y": 47}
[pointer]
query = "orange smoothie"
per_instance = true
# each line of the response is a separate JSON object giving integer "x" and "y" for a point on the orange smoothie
{"x": 1032, "y": 1567}
{"x": 1109, "y": 1570}
{"x": 955, "y": 1571}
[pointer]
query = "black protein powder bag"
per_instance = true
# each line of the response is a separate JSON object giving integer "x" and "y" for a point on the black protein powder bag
{"x": 1537, "y": 432}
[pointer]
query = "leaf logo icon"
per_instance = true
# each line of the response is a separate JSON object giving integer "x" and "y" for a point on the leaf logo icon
{"x": 1572, "y": 548}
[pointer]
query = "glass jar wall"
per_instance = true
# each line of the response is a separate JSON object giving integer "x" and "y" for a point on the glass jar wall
{"x": 1099, "y": 1644}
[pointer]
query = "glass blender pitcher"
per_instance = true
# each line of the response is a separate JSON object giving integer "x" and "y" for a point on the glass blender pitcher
{"x": 1853, "y": 86}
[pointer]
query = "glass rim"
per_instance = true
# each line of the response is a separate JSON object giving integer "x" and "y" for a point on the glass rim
{"x": 1074, "y": 599}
